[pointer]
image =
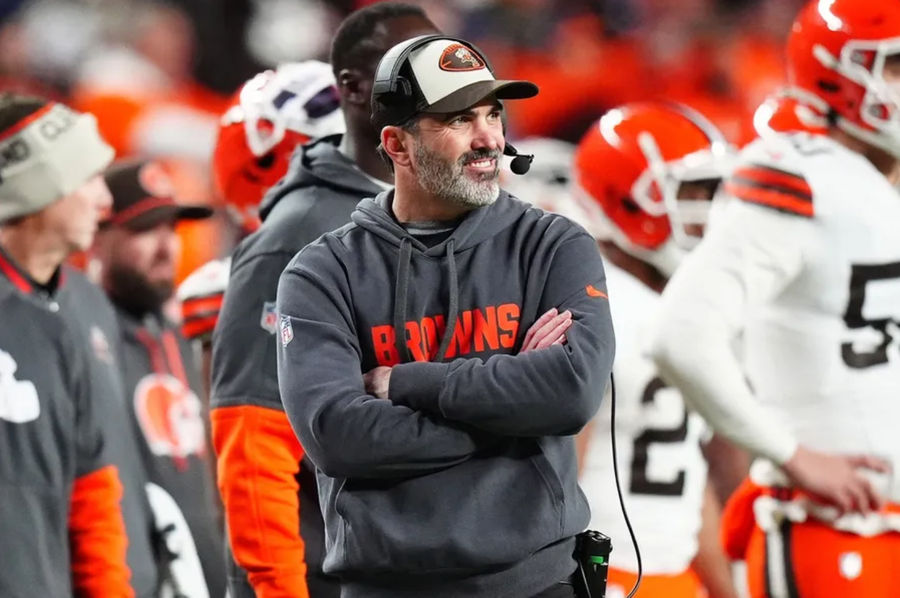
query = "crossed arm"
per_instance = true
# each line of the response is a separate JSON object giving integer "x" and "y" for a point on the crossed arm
{"x": 439, "y": 414}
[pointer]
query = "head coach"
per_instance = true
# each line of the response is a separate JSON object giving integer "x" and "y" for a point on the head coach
{"x": 436, "y": 355}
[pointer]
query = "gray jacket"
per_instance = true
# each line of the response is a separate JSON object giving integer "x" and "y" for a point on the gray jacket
{"x": 50, "y": 435}
{"x": 318, "y": 194}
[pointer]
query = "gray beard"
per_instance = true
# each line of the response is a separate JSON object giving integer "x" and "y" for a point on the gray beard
{"x": 447, "y": 180}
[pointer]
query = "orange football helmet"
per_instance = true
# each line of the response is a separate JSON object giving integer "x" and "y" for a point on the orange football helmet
{"x": 783, "y": 112}
{"x": 629, "y": 171}
{"x": 270, "y": 115}
{"x": 836, "y": 55}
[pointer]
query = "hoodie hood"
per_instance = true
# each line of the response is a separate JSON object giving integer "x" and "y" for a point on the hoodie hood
{"x": 477, "y": 226}
{"x": 319, "y": 164}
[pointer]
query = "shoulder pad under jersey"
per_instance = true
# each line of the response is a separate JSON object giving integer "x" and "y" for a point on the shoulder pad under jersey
{"x": 201, "y": 295}
{"x": 773, "y": 173}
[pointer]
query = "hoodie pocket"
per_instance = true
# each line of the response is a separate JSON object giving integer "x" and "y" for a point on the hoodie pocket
{"x": 486, "y": 513}
{"x": 551, "y": 481}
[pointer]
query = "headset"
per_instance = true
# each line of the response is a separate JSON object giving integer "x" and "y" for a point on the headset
{"x": 395, "y": 97}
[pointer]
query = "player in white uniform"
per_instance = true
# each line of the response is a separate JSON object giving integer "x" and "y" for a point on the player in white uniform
{"x": 806, "y": 266}
{"x": 644, "y": 177}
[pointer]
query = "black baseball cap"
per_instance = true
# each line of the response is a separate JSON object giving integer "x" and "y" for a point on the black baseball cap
{"x": 143, "y": 196}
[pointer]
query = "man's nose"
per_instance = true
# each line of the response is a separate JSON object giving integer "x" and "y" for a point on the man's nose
{"x": 487, "y": 135}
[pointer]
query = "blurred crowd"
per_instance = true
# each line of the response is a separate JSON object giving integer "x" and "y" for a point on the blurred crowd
{"x": 159, "y": 74}
{"x": 173, "y": 150}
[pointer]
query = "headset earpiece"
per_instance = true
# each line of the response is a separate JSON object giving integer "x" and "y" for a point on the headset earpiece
{"x": 395, "y": 92}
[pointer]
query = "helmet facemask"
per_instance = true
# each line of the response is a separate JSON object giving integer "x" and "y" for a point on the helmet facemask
{"x": 863, "y": 62}
{"x": 661, "y": 188}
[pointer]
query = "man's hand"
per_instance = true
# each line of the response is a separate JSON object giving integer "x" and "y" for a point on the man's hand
{"x": 836, "y": 480}
{"x": 549, "y": 329}
{"x": 377, "y": 381}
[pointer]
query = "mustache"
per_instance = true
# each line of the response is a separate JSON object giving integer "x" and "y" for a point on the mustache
{"x": 481, "y": 154}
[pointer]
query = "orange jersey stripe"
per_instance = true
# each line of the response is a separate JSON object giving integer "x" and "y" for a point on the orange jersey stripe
{"x": 771, "y": 177}
{"x": 97, "y": 536}
{"x": 258, "y": 461}
{"x": 195, "y": 328}
{"x": 202, "y": 306}
{"x": 778, "y": 200}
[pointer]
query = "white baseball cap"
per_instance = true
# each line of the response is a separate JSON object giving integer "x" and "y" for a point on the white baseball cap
{"x": 449, "y": 76}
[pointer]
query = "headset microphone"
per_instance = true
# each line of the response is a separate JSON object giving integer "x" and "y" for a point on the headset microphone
{"x": 520, "y": 162}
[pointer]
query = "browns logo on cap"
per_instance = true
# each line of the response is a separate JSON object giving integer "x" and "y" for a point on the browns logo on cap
{"x": 144, "y": 196}
{"x": 155, "y": 181}
{"x": 449, "y": 75}
{"x": 457, "y": 57}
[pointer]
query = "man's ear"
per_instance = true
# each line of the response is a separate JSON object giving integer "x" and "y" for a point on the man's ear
{"x": 397, "y": 145}
{"x": 352, "y": 89}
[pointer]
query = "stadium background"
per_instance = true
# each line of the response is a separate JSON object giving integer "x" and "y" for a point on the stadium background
{"x": 158, "y": 74}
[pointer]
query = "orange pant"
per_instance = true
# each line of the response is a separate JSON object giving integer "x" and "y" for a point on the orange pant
{"x": 813, "y": 560}
{"x": 682, "y": 585}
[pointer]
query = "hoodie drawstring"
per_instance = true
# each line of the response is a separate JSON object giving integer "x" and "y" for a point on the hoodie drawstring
{"x": 454, "y": 302}
{"x": 401, "y": 290}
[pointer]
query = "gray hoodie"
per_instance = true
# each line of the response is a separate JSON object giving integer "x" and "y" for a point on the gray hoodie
{"x": 318, "y": 194}
{"x": 464, "y": 483}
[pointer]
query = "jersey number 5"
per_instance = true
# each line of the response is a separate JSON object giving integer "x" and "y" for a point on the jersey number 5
{"x": 640, "y": 483}
{"x": 860, "y": 276}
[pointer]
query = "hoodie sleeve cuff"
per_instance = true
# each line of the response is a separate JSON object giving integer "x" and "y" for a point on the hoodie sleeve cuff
{"x": 418, "y": 385}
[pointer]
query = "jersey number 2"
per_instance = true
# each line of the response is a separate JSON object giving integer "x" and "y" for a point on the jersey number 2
{"x": 640, "y": 483}
{"x": 860, "y": 276}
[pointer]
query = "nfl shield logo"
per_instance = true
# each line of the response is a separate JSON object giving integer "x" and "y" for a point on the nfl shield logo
{"x": 269, "y": 319}
{"x": 101, "y": 345}
{"x": 287, "y": 331}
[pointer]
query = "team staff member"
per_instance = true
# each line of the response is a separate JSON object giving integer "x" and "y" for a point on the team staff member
{"x": 60, "y": 520}
{"x": 257, "y": 136}
{"x": 448, "y": 468}
{"x": 804, "y": 265}
{"x": 267, "y": 485}
{"x": 94, "y": 324}
{"x": 137, "y": 251}
{"x": 274, "y": 113}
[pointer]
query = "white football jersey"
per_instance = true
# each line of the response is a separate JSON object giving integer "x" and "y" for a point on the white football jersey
{"x": 807, "y": 265}
{"x": 661, "y": 467}
{"x": 824, "y": 354}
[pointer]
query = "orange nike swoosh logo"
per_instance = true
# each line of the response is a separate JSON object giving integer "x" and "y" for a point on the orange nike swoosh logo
{"x": 592, "y": 292}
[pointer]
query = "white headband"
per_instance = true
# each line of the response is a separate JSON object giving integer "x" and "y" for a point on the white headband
{"x": 46, "y": 156}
